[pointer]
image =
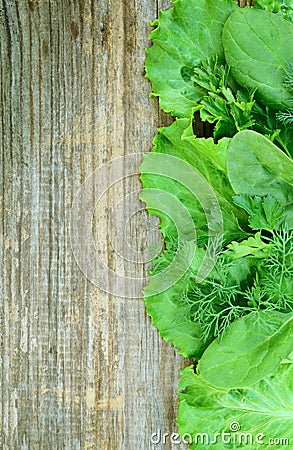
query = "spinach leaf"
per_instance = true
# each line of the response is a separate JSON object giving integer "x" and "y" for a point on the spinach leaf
{"x": 259, "y": 47}
{"x": 251, "y": 348}
{"x": 258, "y": 168}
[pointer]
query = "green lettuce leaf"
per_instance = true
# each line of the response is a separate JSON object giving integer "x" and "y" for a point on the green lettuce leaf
{"x": 251, "y": 416}
{"x": 194, "y": 171}
{"x": 184, "y": 35}
{"x": 234, "y": 360}
{"x": 258, "y": 48}
{"x": 169, "y": 312}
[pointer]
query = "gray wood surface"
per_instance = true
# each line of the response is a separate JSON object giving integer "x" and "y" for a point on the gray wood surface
{"x": 80, "y": 368}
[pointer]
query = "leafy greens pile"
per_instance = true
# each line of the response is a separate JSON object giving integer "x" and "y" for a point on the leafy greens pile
{"x": 221, "y": 289}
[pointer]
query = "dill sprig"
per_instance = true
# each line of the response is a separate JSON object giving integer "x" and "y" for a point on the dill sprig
{"x": 288, "y": 79}
{"x": 278, "y": 271}
{"x": 238, "y": 287}
{"x": 285, "y": 117}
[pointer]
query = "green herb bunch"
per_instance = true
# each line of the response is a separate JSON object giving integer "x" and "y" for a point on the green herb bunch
{"x": 221, "y": 289}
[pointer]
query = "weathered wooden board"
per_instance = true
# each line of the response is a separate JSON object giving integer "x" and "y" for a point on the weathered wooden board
{"x": 80, "y": 368}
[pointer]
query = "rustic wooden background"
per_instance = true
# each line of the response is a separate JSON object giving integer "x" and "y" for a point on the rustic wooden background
{"x": 80, "y": 369}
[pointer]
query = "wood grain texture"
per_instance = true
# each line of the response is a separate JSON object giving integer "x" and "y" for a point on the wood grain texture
{"x": 80, "y": 369}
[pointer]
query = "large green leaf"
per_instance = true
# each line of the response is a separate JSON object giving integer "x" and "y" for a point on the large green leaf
{"x": 164, "y": 300}
{"x": 257, "y": 167}
{"x": 184, "y": 35}
{"x": 237, "y": 360}
{"x": 194, "y": 172}
{"x": 250, "y": 418}
{"x": 258, "y": 48}
{"x": 185, "y": 183}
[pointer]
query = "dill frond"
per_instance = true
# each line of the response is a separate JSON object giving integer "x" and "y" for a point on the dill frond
{"x": 222, "y": 297}
{"x": 285, "y": 117}
{"x": 288, "y": 80}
